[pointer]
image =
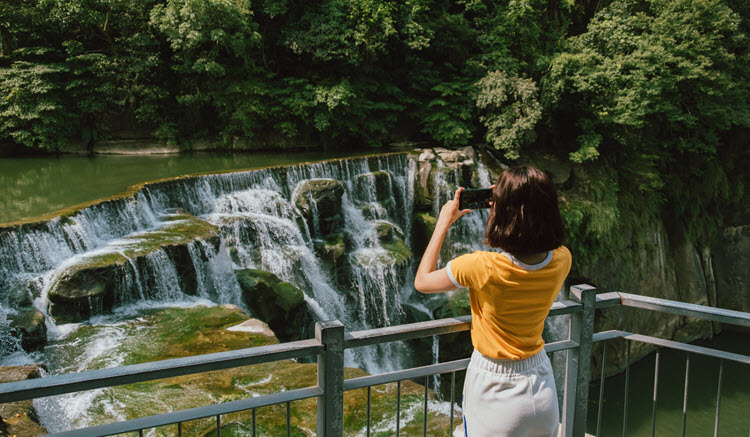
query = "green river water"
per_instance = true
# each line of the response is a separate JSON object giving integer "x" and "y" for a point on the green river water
{"x": 34, "y": 186}
{"x": 37, "y": 186}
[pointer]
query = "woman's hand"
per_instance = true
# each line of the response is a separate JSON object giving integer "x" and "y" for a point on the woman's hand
{"x": 449, "y": 213}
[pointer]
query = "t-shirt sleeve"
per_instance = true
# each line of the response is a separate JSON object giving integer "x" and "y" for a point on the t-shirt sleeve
{"x": 469, "y": 270}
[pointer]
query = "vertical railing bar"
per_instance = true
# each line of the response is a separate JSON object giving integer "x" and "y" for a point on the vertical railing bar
{"x": 685, "y": 396}
{"x": 426, "y": 387}
{"x": 288, "y": 419}
{"x": 718, "y": 398}
{"x": 398, "y": 408}
{"x": 330, "y": 412}
{"x": 253, "y": 422}
{"x": 656, "y": 394}
{"x": 218, "y": 425}
{"x": 627, "y": 389}
{"x": 453, "y": 388}
{"x": 368, "y": 409}
{"x": 179, "y": 429}
{"x": 601, "y": 393}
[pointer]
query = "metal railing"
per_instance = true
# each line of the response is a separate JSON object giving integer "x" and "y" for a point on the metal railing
{"x": 329, "y": 345}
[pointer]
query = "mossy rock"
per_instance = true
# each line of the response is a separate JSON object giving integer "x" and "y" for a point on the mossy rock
{"x": 20, "y": 418}
{"x": 93, "y": 285}
{"x": 391, "y": 238}
{"x": 319, "y": 201}
{"x": 181, "y": 332}
{"x": 276, "y": 302}
{"x": 28, "y": 324}
{"x": 422, "y": 228}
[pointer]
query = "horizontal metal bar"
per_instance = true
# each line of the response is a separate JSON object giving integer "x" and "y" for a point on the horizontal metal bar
{"x": 604, "y": 300}
{"x": 74, "y": 382}
{"x": 700, "y": 350}
{"x": 407, "y": 332}
{"x": 400, "y": 375}
{"x": 560, "y": 346}
{"x": 193, "y": 413}
{"x": 607, "y": 335}
{"x": 434, "y": 327}
{"x": 433, "y": 369}
{"x": 687, "y": 309}
{"x": 564, "y": 307}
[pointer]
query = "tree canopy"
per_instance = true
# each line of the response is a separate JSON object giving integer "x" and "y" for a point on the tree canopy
{"x": 658, "y": 89}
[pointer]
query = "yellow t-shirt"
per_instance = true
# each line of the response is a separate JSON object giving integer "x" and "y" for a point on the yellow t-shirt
{"x": 509, "y": 299}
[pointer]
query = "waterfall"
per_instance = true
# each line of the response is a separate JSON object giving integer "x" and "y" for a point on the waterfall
{"x": 180, "y": 240}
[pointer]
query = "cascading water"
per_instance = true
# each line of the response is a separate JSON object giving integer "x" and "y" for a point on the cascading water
{"x": 340, "y": 231}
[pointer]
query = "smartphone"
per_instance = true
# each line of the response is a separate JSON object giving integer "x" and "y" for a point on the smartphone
{"x": 475, "y": 198}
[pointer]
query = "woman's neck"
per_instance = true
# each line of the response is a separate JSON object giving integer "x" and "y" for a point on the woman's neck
{"x": 532, "y": 258}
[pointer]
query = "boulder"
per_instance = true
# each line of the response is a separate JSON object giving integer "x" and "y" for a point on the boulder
{"x": 391, "y": 238}
{"x": 20, "y": 418}
{"x": 278, "y": 303}
{"x": 319, "y": 203}
{"x": 28, "y": 324}
{"x": 422, "y": 228}
{"x": 98, "y": 281}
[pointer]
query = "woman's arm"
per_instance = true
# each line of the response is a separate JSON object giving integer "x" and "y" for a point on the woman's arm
{"x": 427, "y": 279}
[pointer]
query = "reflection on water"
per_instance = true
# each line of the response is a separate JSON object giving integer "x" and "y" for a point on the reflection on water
{"x": 734, "y": 419}
{"x": 33, "y": 186}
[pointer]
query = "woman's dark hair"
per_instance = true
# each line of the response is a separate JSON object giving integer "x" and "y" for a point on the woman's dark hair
{"x": 524, "y": 217}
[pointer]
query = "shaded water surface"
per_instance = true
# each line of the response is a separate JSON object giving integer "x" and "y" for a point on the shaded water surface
{"x": 34, "y": 186}
{"x": 734, "y": 418}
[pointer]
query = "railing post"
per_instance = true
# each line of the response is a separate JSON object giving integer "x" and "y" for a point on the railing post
{"x": 331, "y": 379}
{"x": 578, "y": 364}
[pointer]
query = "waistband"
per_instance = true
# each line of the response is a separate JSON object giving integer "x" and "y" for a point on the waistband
{"x": 508, "y": 367}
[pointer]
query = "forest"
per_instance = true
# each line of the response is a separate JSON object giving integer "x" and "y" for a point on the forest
{"x": 650, "y": 99}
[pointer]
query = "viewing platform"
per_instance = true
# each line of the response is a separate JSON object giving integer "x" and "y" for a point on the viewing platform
{"x": 331, "y": 340}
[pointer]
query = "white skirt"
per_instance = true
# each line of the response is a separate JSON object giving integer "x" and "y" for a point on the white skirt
{"x": 509, "y": 398}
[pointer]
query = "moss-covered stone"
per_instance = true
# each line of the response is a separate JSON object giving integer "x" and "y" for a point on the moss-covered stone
{"x": 90, "y": 285}
{"x": 319, "y": 202}
{"x": 422, "y": 228}
{"x": 278, "y": 303}
{"x": 28, "y": 324}
{"x": 181, "y": 332}
{"x": 392, "y": 239}
{"x": 20, "y": 418}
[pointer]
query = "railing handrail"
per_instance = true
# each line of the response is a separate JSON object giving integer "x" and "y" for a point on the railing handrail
{"x": 331, "y": 341}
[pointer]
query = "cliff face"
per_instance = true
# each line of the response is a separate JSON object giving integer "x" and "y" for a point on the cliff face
{"x": 656, "y": 259}
{"x": 731, "y": 264}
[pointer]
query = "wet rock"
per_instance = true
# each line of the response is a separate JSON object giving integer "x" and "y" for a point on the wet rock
{"x": 422, "y": 228}
{"x": 376, "y": 186}
{"x": 278, "y": 303}
{"x": 319, "y": 202}
{"x": 651, "y": 271}
{"x": 391, "y": 238}
{"x": 28, "y": 324}
{"x": 20, "y": 418}
{"x": 93, "y": 283}
{"x": 732, "y": 268}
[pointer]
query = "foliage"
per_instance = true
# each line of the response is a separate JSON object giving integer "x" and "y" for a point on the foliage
{"x": 656, "y": 85}
{"x": 33, "y": 111}
{"x": 657, "y": 89}
{"x": 511, "y": 111}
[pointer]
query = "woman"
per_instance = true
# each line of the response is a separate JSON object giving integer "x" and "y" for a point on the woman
{"x": 509, "y": 388}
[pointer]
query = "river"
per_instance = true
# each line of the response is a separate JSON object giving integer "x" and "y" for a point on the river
{"x": 34, "y": 186}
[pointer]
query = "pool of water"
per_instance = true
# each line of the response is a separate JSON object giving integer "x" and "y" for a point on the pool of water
{"x": 734, "y": 418}
{"x": 35, "y": 186}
